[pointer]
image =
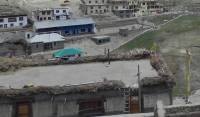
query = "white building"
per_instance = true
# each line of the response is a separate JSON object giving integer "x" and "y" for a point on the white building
{"x": 51, "y": 14}
{"x": 11, "y": 17}
{"x": 95, "y": 7}
{"x": 62, "y": 13}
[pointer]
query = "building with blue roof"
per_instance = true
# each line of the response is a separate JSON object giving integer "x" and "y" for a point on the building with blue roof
{"x": 66, "y": 27}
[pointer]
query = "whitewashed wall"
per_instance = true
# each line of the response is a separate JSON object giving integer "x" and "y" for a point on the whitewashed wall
{"x": 17, "y": 23}
{"x": 114, "y": 104}
{"x": 42, "y": 109}
{"x": 68, "y": 108}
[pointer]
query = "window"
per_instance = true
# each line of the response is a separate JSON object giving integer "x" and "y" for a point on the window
{"x": 83, "y": 30}
{"x": 21, "y": 24}
{"x": 91, "y": 11}
{"x": 96, "y": 11}
{"x": 57, "y": 11}
{"x": 91, "y": 7}
{"x": 54, "y": 43}
{"x": 28, "y": 36}
{"x": 96, "y": 1}
{"x": 99, "y": 7}
{"x": 49, "y": 18}
{"x": 104, "y": 10}
{"x": 12, "y": 19}
{"x": 21, "y": 18}
{"x": 116, "y": 7}
{"x": 5, "y": 26}
{"x": 1, "y": 26}
{"x": 89, "y": 2}
{"x": 102, "y": 1}
{"x": 45, "y": 18}
{"x": 57, "y": 17}
{"x": 43, "y": 12}
{"x": 2, "y": 20}
{"x": 40, "y": 19}
{"x": 48, "y": 12}
{"x": 11, "y": 25}
{"x": 64, "y": 11}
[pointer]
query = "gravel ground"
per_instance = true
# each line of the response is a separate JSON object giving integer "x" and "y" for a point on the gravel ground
{"x": 78, "y": 74}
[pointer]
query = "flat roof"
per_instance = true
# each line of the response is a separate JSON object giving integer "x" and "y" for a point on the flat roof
{"x": 125, "y": 71}
{"x": 46, "y": 38}
{"x": 63, "y": 23}
{"x": 9, "y": 11}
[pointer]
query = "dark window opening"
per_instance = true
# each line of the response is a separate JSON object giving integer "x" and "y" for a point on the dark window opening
{"x": 49, "y": 18}
{"x": 1, "y": 20}
{"x": 43, "y": 12}
{"x": 57, "y": 17}
{"x": 12, "y": 19}
{"x": 48, "y": 12}
{"x": 91, "y": 107}
{"x": 11, "y": 25}
{"x": 21, "y": 18}
{"x": 5, "y": 26}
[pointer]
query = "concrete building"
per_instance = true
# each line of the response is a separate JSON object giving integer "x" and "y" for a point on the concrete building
{"x": 12, "y": 17}
{"x": 83, "y": 93}
{"x": 49, "y": 14}
{"x": 14, "y": 42}
{"x": 45, "y": 42}
{"x": 66, "y": 27}
{"x": 194, "y": 6}
{"x": 95, "y": 7}
{"x": 121, "y": 8}
{"x": 149, "y": 7}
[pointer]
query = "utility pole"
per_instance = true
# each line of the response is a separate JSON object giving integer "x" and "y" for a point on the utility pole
{"x": 109, "y": 56}
{"x": 139, "y": 90}
{"x": 187, "y": 76}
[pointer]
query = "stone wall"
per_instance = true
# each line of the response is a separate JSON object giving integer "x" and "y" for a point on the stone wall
{"x": 187, "y": 110}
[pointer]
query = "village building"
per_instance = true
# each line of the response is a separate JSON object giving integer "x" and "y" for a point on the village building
{"x": 121, "y": 8}
{"x": 194, "y": 6}
{"x": 12, "y": 17}
{"x": 90, "y": 92}
{"x": 149, "y": 7}
{"x": 95, "y": 7}
{"x": 49, "y": 14}
{"x": 14, "y": 42}
{"x": 45, "y": 42}
{"x": 66, "y": 27}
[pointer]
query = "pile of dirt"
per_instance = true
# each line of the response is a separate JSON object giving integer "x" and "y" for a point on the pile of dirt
{"x": 13, "y": 64}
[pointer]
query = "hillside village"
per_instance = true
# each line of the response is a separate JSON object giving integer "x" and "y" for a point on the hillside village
{"x": 85, "y": 58}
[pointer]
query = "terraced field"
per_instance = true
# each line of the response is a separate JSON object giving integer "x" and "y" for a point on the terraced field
{"x": 171, "y": 41}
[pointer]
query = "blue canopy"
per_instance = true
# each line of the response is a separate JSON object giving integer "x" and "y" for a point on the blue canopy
{"x": 67, "y": 52}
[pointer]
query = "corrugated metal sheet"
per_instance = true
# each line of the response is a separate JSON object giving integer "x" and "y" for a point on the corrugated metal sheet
{"x": 46, "y": 38}
{"x": 63, "y": 23}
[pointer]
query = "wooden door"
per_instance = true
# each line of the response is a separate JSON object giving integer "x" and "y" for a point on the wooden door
{"x": 134, "y": 105}
{"x": 23, "y": 110}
